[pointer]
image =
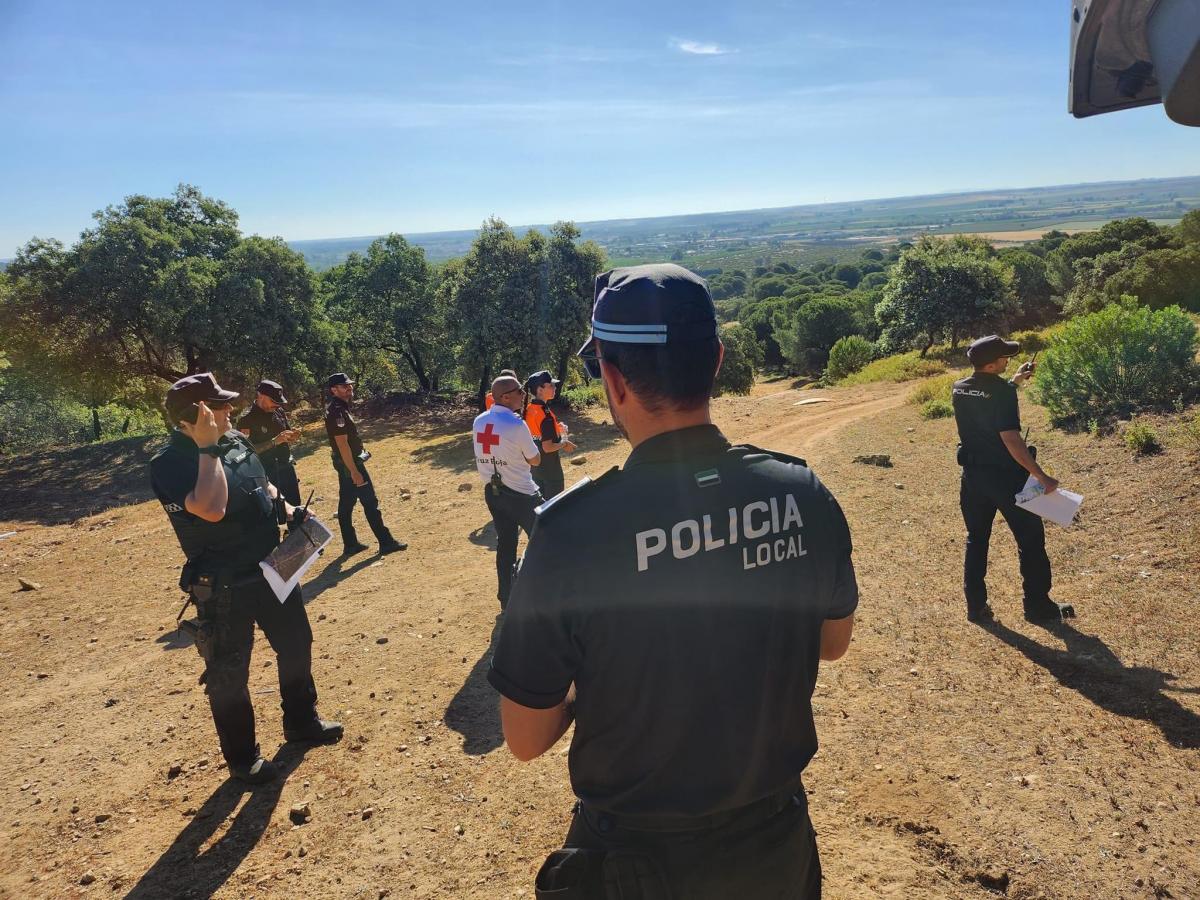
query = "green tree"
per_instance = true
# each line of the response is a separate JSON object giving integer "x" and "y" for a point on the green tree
{"x": 1161, "y": 278}
{"x": 807, "y": 336}
{"x": 565, "y": 308}
{"x": 389, "y": 303}
{"x": 848, "y": 355}
{"x": 944, "y": 288}
{"x": 743, "y": 357}
{"x": 1061, "y": 263}
{"x": 1034, "y": 296}
{"x": 162, "y": 287}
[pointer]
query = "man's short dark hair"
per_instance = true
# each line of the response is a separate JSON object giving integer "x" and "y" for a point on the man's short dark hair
{"x": 676, "y": 375}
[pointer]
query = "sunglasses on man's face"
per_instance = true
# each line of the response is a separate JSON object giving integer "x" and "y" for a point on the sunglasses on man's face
{"x": 591, "y": 364}
{"x": 515, "y": 390}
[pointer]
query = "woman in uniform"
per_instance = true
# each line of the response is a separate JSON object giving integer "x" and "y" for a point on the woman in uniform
{"x": 549, "y": 434}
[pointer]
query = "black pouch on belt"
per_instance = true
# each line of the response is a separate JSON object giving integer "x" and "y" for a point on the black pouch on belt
{"x": 573, "y": 873}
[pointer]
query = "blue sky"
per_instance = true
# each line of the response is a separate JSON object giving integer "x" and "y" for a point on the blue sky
{"x": 319, "y": 120}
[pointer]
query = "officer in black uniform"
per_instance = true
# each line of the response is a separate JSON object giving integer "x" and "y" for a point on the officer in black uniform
{"x": 676, "y": 611}
{"x": 995, "y": 462}
{"x": 266, "y": 425}
{"x": 349, "y": 461}
{"x": 227, "y": 515}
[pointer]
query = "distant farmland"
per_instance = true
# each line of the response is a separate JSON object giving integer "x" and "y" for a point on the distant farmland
{"x": 802, "y": 234}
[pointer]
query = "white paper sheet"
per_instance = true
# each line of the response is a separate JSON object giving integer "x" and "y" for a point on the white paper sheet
{"x": 288, "y": 562}
{"x": 1059, "y": 507}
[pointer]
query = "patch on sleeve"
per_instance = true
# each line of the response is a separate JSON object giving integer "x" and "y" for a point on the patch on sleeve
{"x": 708, "y": 478}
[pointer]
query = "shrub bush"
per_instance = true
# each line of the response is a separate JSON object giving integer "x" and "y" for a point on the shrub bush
{"x": 743, "y": 357}
{"x": 848, "y": 356}
{"x": 1117, "y": 361}
{"x": 904, "y": 367}
{"x": 1189, "y": 433}
{"x": 585, "y": 395}
{"x": 933, "y": 389}
{"x": 1142, "y": 439}
{"x": 937, "y": 408}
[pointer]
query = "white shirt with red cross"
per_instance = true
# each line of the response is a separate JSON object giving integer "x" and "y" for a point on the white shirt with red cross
{"x": 503, "y": 444}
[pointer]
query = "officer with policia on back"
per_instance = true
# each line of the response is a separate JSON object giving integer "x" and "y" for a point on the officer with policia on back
{"x": 504, "y": 454}
{"x": 350, "y": 463}
{"x": 227, "y": 516}
{"x": 995, "y": 463}
{"x": 266, "y": 426}
{"x": 676, "y": 611}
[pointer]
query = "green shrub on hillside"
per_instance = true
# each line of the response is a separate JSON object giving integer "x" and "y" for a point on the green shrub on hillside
{"x": 904, "y": 367}
{"x": 743, "y": 357}
{"x": 848, "y": 356}
{"x": 1142, "y": 439}
{"x": 937, "y": 409}
{"x": 933, "y": 389}
{"x": 585, "y": 395}
{"x": 1117, "y": 361}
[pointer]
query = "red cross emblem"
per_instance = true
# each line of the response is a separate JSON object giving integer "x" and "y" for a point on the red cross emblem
{"x": 488, "y": 438}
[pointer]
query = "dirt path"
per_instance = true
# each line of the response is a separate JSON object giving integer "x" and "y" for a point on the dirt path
{"x": 954, "y": 762}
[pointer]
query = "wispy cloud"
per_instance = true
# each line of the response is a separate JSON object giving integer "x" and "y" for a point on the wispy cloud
{"x": 699, "y": 48}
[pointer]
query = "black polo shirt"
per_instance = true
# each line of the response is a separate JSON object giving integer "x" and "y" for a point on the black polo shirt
{"x": 684, "y": 597}
{"x": 984, "y": 406}
{"x": 247, "y": 533}
{"x": 263, "y": 427}
{"x": 339, "y": 421}
{"x": 547, "y": 430}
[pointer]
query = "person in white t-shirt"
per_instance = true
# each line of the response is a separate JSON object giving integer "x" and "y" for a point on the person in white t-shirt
{"x": 504, "y": 455}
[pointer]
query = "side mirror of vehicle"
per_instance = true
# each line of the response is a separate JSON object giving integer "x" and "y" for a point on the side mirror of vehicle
{"x": 1127, "y": 53}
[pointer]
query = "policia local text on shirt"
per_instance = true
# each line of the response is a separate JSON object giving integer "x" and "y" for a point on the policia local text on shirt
{"x": 504, "y": 454}
{"x": 227, "y": 515}
{"x": 676, "y": 611}
{"x": 994, "y": 462}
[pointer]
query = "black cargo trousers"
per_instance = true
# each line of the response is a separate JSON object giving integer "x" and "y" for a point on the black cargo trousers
{"x": 349, "y": 495}
{"x": 986, "y": 490}
{"x": 767, "y": 851}
{"x": 233, "y": 610}
{"x": 511, "y": 512}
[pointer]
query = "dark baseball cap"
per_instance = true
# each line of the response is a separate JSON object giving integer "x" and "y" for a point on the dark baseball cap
{"x": 537, "y": 379}
{"x": 649, "y": 305}
{"x": 338, "y": 378}
{"x": 991, "y": 348}
{"x": 272, "y": 389}
{"x": 199, "y": 388}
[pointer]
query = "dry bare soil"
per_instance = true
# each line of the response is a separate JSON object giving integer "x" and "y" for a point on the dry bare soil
{"x": 955, "y": 761}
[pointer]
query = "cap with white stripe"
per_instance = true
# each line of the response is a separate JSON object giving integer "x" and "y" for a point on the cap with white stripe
{"x": 654, "y": 304}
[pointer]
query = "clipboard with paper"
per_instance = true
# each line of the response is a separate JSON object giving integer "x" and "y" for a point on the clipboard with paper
{"x": 1060, "y": 507}
{"x": 288, "y": 562}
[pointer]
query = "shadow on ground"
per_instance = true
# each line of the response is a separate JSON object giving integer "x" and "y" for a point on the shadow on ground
{"x": 188, "y": 869}
{"x": 474, "y": 712}
{"x": 1089, "y": 667}
{"x": 484, "y": 536}
{"x": 56, "y": 486}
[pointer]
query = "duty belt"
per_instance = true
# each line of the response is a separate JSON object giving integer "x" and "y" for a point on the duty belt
{"x": 745, "y": 816}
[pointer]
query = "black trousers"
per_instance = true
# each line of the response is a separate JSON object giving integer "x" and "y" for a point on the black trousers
{"x": 754, "y": 859}
{"x": 984, "y": 491}
{"x": 549, "y": 476}
{"x": 348, "y": 496}
{"x": 283, "y": 476}
{"x": 511, "y": 511}
{"x": 287, "y": 630}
